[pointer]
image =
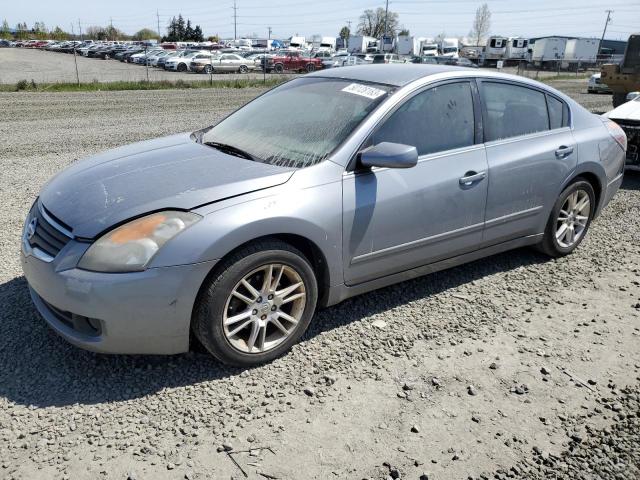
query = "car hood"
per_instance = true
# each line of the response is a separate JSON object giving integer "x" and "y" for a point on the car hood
{"x": 172, "y": 172}
{"x": 626, "y": 111}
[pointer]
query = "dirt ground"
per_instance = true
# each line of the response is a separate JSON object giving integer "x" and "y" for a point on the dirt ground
{"x": 49, "y": 67}
{"x": 515, "y": 366}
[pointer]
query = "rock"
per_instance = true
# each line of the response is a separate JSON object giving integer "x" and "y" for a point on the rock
{"x": 415, "y": 429}
{"x": 170, "y": 466}
{"x": 471, "y": 390}
{"x": 435, "y": 381}
{"x": 132, "y": 475}
{"x": 227, "y": 447}
{"x": 475, "y": 418}
{"x": 381, "y": 324}
{"x": 407, "y": 387}
{"x": 545, "y": 371}
{"x": 424, "y": 476}
{"x": 308, "y": 391}
{"x": 493, "y": 366}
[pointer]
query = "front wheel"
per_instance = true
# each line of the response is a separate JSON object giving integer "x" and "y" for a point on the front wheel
{"x": 244, "y": 69}
{"x": 181, "y": 67}
{"x": 569, "y": 220}
{"x": 257, "y": 305}
{"x": 310, "y": 68}
{"x": 278, "y": 68}
{"x": 208, "y": 69}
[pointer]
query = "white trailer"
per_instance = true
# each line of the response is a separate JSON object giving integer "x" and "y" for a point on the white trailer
{"x": 429, "y": 48}
{"x": 407, "y": 45}
{"x": 361, "y": 44}
{"x": 516, "y": 49}
{"x": 494, "y": 50}
{"x": 580, "y": 52}
{"x": 548, "y": 52}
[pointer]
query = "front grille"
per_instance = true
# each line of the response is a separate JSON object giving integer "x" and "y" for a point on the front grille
{"x": 50, "y": 234}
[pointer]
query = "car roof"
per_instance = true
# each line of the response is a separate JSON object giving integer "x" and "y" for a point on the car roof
{"x": 397, "y": 75}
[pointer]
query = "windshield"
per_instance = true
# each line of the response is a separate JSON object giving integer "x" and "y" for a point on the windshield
{"x": 299, "y": 123}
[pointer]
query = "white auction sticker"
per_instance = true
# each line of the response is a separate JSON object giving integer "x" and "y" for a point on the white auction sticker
{"x": 364, "y": 91}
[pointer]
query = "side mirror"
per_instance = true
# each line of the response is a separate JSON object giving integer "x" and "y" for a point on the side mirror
{"x": 632, "y": 96}
{"x": 390, "y": 155}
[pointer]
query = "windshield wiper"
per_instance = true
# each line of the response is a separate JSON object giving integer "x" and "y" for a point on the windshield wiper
{"x": 231, "y": 150}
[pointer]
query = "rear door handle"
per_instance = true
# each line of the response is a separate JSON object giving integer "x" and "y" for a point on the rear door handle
{"x": 472, "y": 177}
{"x": 564, "y": 151}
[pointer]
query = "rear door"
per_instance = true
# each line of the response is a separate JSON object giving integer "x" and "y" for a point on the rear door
{"x": 398, "y": 219}
{"x": 530, "y": 150}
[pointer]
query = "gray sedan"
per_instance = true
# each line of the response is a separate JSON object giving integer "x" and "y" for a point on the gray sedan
{"x": 328, "y": 186}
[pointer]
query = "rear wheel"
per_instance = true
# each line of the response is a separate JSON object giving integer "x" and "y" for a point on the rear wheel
{"x": 208, "y": 69}
{"x": 244, "y": 69}
{"x": 257, "y": 305}
{"x": 310, "y": 67}
{"x": 570, "y": 219}
{"x": 278, "y": 68}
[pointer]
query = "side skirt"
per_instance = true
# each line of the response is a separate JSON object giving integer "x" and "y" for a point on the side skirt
{"x": 341, "y": 292}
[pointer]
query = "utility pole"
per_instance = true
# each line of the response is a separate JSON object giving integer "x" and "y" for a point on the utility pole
{"x": 158, "y": 17}
{"x": 606, "y": 23}
{"x": 75, "y": 60}
{"x": 386, "y": 14}
{"x": 80, "y": 30}
{"x": 111, "y": 26}
{"x": 235, "y": 20}
{"x": 269, "y": 32}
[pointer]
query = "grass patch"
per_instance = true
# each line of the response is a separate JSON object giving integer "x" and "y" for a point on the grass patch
{"x": 26, "y": 86}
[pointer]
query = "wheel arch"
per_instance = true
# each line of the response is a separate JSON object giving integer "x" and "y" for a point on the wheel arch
{"x": 588, "y": 173}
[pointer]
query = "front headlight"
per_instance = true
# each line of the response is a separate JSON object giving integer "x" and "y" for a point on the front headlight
{"x": 129, "y": 248}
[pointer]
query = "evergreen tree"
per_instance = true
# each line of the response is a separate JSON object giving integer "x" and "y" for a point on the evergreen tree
{"x": 180, "y": 29}
{"x": 4, "y": 31}
{"x": 197, "y": 34}
{"x": 188, "y": 31}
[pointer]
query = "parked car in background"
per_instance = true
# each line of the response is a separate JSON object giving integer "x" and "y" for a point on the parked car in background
{"x": 596, "y": 86}
{"x": 627, "y": 116}
{"x": 180, "y": 62}
{"x": 387, "y": 58}
{"x": 201, "y": 63}
{"x": 162, "y": 60}
{"x": 328, "y": 186}
{"x": 231, "y": 62}
{"x": 293, "y": 61}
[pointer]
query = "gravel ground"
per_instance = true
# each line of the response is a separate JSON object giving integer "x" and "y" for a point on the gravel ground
{"x": 50, "y": 67}
{"x": 515, "y": 366}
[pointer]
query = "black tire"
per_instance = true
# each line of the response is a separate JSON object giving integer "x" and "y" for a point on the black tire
{"x": 208, "y": 69}
{"x": 619, "y": 99}
{"x": 310, "y": 68}
{"x": 208, "y": 313}
{"x": 182, "y": 67}
{"x": 243, "y": 69}
{"x": 278, "y": 68}
{"x": 549, "y": 243}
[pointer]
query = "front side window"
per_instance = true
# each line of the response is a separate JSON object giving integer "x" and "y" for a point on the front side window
{"x": 512, "y": 110}
{"x": 438, "y": 119}
{"x": 298, "y": 124}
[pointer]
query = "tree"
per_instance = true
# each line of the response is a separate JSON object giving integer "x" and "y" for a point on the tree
{"x": 197, "y": 34}
{"x": 59, "y": 34}
{"x": 404, "y": 32}
{"x": 22, "y": 31}
{"x": 188, "y": 31}
{"x": 481, "y": 24}
{"x": 372, "y": 23}
{"x": 180, "y": 28}
{"x": 345, "y": 33}
{"x": 214, "y": 39}
{"x": 145, "y": 34}
{"x": 40, "y": 30}
{"x": 5, "y": 32}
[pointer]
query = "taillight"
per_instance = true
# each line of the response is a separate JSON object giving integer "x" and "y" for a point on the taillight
{"x": 617, "y": 133}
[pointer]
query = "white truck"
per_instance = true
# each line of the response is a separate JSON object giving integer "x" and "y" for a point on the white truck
{"x": 408, "y": 45}
{"x": 580, "y": 52}
{"x": 516, "y": 50}
{"x": 449, "y": 47}
{"x": 298, "y": 43}
{"x": 494, "y": 50}
{"x": 361, "y": 44}
{"x": 327, "y": 44}
{"x": 429, "y": 48}
{"x": 548, "y": 52}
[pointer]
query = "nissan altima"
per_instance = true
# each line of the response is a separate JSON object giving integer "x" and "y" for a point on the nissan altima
{"x": 328, "y": 186}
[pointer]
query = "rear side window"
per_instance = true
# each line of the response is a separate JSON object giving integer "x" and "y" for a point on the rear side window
{"x": 558, "y": 113}
{"x": 512, "y": 110}
{"x": 438, "y": 119}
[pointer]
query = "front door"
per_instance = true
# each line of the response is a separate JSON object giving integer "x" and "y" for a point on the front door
{"x": 398, "y": 219}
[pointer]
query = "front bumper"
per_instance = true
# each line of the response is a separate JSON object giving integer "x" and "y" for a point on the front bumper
{"x": 145, "y": 312}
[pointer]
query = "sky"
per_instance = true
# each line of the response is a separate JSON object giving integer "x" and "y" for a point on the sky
{"x": 427, "y": 18}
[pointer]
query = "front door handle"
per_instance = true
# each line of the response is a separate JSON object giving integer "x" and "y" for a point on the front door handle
{"x": 472, "y": 177}
{"x": 564, "y": 151}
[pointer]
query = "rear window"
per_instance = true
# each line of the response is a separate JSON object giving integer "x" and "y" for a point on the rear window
{"x": 513, "y": 110}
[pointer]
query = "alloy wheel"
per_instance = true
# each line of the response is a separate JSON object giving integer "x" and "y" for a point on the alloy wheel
{"x": 573, "y": 218}
{"x": 264, "y": 308}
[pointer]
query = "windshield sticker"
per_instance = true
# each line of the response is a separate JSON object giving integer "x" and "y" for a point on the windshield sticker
{"x": 364, "y": 91}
